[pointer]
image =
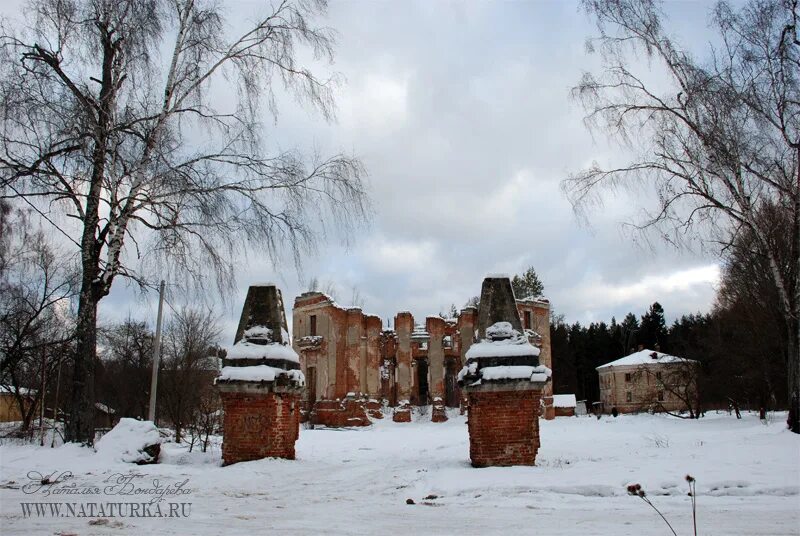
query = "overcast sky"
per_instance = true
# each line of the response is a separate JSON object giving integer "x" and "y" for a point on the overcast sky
{"x": 461, "y": 114}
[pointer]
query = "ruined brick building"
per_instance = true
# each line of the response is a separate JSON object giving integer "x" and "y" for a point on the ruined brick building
{"x": 351, "y": 360}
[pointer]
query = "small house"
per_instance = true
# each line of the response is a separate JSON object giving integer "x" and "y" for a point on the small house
{"x": 648, "y": 381}
{"x": 9, "y": 407}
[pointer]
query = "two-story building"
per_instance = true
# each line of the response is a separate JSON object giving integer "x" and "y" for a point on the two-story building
{"x": 648, "y": 381}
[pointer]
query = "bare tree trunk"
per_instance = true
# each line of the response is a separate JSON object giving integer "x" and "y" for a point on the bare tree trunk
{"x": 28, "y": 408}
{"x": 793, "y": 354}
{"x": 42, "y": 397}
{"x": 793, "y": 367}
{"x": 80, "y": 426}
{"x": 55, "y": 405}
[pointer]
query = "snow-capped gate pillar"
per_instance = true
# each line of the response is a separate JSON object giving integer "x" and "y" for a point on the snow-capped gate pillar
{"x": 260, "y": 383}
{"x": 504, "y": 382}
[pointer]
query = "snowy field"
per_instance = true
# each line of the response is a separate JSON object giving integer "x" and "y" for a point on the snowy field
{"x": 357, "y": 481}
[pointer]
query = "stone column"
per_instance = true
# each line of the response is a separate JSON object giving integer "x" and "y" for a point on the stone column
{"x": 503, "y": 381}
{"x": 260, "y": 383}
{"x": 353, "y": 331}
{"x": 403, "y": 325}
{"x": 466, "y": 331}
{"x": 541, "y": 323}
{"x": 435, "y": 327}
{"x": 374, "y": 325}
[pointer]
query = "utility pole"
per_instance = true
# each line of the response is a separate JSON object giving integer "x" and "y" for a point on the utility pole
{"x": 55, "y": 406}
{"x": 42, "y": 396}
{"x": 156, "y": 355}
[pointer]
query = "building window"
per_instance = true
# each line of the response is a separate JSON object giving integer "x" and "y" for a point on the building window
{"x": 627, "y": 376}
{"x": 658, "y": 376}
{"x": 313, "y": 326}
{"x": 527, "y": 319}
{"x": 628, "y": 397}
{"x": 661, "y": 396}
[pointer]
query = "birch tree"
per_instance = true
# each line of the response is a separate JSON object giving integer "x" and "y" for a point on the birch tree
{"x": 134, "y": 127}
{"x": 717, "y": 143}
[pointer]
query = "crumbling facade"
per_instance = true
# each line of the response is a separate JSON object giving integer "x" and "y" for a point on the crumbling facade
{"x": 353, "y": 363}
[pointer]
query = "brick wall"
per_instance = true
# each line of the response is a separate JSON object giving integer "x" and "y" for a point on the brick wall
{"x": 503, "y": 427}
{"x": 339, "y": 413}
{"x": 259, "y": 426}
{"x": 564, "y": 412}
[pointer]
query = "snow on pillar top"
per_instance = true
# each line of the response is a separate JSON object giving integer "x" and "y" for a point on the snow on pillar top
{"x": 263, "y": 308}
{"x": 497, "y": 305}
{"x": 502, "y": 356}
{"x": 261, "y": 358}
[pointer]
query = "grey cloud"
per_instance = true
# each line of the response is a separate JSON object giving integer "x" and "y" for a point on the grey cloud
{"x": 461, "y": 113}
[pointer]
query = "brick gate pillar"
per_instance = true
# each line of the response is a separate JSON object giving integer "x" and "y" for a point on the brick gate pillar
{"x": 260, "y": 383}
{"x": 503, "y": 382}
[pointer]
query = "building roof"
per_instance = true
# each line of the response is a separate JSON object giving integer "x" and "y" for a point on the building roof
{"x": 23, "y": 391}
{"x": 564, "y": 401}
{"x": 419, "y": 333}
{"x": 645, "y": 357}
{"x": 105, "y": 409}
{"x": 532, "y": 298}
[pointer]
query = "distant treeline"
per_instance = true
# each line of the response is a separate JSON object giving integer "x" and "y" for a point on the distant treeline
{"x": 740, "y": 348}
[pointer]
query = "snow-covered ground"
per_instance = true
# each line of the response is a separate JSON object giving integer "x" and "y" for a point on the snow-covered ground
{"x": 357, "y": 481}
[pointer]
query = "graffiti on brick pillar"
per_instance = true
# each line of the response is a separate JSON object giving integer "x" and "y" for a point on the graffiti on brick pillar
{"x": 254, "y": 422}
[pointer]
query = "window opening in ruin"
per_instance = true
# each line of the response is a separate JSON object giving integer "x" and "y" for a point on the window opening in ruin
{"x": 452, "y": 393}
{"x": 658, "y": 375}
{"x": 627, "y": 376}
{"x": 313, "y": 325}
{"x": 389, "y": 381}
{"x": 527, "y": 317}
{"x": 661, "y": 396}
{"x": 628, "y": 397}
{"x": 422, "y": 382}
{"x": 311, "y": 383}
